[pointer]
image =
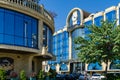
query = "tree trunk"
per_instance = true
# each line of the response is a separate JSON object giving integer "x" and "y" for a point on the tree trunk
{"x": 106, "y": 68}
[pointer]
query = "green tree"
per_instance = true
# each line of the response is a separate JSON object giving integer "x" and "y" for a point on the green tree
{"x": 102, "y": 44}
{"x": 53, "y": 73}
{"x": 2, "y": 74}
{"x": 41, "y": 75}
{"x": 22, "y": 75}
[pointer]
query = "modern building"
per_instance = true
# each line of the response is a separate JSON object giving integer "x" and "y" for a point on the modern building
{"x": 26, "y": 30}
{"x": 63, "y": 44}
{"x": 66, "y": 57}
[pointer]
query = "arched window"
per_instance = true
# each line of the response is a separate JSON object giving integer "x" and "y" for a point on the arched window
{"x": 63, "y": 67}
{"x": 94, "y": 66}
{"x": 115, "y": 64}
{"x": 53, "y": 67}
{"x": 6, "y": 61}
{"x": 7, "y": 64}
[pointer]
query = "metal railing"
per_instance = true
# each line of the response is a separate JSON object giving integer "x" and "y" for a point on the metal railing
{"x": 31, "y": 5}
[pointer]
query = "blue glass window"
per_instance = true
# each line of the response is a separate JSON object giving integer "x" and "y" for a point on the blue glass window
{"x": 111, "y": 16}
{"x": 63, "y": 67}
{"x": 115, "y": 64}
{"x": 76, "y": 33}
{"x": 97, "y": 20}
{"x": 19, "y": 41}
{"x": 1, "y": 38}
{"x": 94, "y": 66}
{"x": 17, "y": 29}
{"x": 86, "y": 30}
{"x": 53, "y": 67}
{"x": 19, "y": 26}
{"x": 34, "y": 29}
{"x": 8, "y": 39}
{"x": 29, "y": 43}
{"x": 48, "y": 38}
{"x": 88, "y": 23}
{"x": 1, "y": 21}
{"x": 9, "y": 23}
{"x": 28, "y": 24}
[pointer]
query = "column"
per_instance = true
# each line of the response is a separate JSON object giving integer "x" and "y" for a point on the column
{"x": 70, "y": 46}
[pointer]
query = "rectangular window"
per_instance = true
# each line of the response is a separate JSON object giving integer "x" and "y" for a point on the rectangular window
{"x": 19, "y": 41}
{"x": 34, "y": 26}
{"x": 30, "y": 43}
{"x": 19, "y": 26}
{"x": 97, "y": 20}
{"x": 8, "y": 39}
{"x": 9, "y": 23}
{"x": 111, "y": 16}
{"x": 1, "y": 21}
{"x": 29, "y": 29}
{"x": 1, "y": 38}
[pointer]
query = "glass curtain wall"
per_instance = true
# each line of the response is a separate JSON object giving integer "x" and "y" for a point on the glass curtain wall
{"x": 97, "y": 20}
{"x": 65, "y": 43}
{"x": 86, "y": 30}
{"x": 47, "y": 34}
{"x": 18, "y": 29}
{"x": 111, "y": 16}
{"x": 60, "y": 48}
{"x": 76, "y": 33}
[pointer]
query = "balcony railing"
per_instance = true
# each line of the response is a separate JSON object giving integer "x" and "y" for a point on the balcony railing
{"x": 29, "y": 4}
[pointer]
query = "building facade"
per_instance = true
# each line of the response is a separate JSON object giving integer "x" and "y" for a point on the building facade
{"x": 76, "y": 21}
{"x": 26, "y": 30}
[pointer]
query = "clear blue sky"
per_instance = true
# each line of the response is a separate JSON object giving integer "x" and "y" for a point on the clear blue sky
{"x": 63, "y": 7}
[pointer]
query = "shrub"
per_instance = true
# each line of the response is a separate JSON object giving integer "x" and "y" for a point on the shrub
{"x": 22, "y": 75}
{"x": 2, "y": 74}
{"x": 113, "y": 76}
{"x": 41, "y": 75}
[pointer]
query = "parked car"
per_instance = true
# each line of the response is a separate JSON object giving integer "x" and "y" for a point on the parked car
{"x": 84, "y": 77}
{"x": 97, "y": 76}
{"x": 76, "y": 75}
{"x": 60, "y": 76}
{"x": 70, "y": 77}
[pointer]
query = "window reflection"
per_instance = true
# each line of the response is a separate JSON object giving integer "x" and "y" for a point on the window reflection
{"x": 94, "y": 66}
{"x": 97, "y": 20}
{"x": 47, "y": 34}
{"x": 76, "y": 33}
{"x": 63, "y": 67}
{"x": 53, "y": 67}
{"x": 115, "y": 64}
{"x": 18, "y": 29}
{"x": 111, "y": 16}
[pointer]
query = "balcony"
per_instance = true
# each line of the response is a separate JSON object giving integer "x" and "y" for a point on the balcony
{"x": 46, "y": 55}
{"x": 28, "y": 5}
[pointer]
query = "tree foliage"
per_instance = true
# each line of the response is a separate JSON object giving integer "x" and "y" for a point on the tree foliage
{"x": 22, "y": 75}
{"x": 102, "y": 44}
{"x": 2, "y": 74}
{"x": 41, "y": 75}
